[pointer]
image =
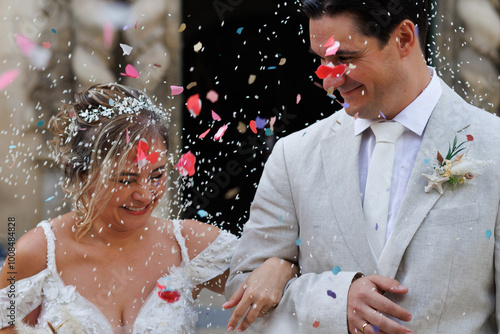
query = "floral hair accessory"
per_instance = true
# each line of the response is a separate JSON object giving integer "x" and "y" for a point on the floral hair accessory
{"x": 168, "y": 294}
{"x": 454, "y": 168}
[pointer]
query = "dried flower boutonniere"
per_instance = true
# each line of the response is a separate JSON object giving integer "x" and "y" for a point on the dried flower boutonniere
{"x": 454, "y": 168}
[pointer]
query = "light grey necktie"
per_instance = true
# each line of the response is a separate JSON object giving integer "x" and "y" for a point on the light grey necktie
{"x": 378, "y": 183}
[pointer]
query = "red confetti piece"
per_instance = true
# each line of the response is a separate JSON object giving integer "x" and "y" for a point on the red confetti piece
{"x": 329, "y": 42}
{"x": 176, "y": 90}
{"x": 324, "y": 71}
{"x": 130, "y": 71}
{"x": 194, "y": 105}
{"x": 153, "y": 157}
{"x": 186, "y": 164}
{"x": 212, "y": 96}
{"x": 220, "y": 132}
{"x": 215, "y": 117}
{"x": 142, "y": 150}
{"x": 253, "y": 126}
{"x": 204, "y": 134}
{"x": 46, "y": 45}
{"x": 316, "y": 324}
{"x": 136, "y": 24}
{"x": 156, "y": 65}
{"x": 7, "y": 77}
{"x": 128, "y": 138}
{"x": 167, "y": 294}
{"x": 470, "y": 138}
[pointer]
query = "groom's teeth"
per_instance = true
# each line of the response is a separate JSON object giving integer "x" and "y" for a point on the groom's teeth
{"x": 134, "y": 209}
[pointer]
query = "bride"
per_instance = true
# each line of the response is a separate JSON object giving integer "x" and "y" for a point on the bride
{"x": 109, "y": 266}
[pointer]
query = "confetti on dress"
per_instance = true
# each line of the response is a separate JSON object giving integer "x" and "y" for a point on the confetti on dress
{"x": 7, "y": 77}
{"x": 488, "y": 234}
{"x": 186, "y": 164}
{"x": 212, "y": 96}
{"x": 127, "y": 49}
{"x": 130, "y": 71}
{"x": 176, "y": 90}
{"x": 194, "y": 105}
{"x": 220, "y": 132}
{"x": 215, "y": 116}
{"x": 168, "y": 294}
{"x": 336, "y": 270}
{"x": 470, "y": 138}
{"x": 331, "y": 294}
{"x": 316, "y": 324}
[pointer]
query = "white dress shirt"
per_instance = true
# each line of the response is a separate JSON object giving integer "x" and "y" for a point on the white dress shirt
{"x": 414, "y": 117}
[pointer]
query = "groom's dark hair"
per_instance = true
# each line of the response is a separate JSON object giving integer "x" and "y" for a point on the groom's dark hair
{"x": 375, "y": 18}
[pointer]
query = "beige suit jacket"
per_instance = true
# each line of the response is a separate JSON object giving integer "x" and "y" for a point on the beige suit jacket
{"x": 444, "y": 248}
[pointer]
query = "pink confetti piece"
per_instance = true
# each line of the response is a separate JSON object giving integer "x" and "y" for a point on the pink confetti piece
{"x": 356, "y": 115}
{"x": 46, "y": 45}
{"x": 186, "y": 164}
{"x": 215, "y": 117}
{"x": 272, "y": 120}
{"x": 297, "y": 100}
{"x": 7, "y": 77}
{"x": 108, "y": 34}
{"x": 470, "y": 138}
{"x": 212, "y": 96}
{"x": 176, "y": 90}
{"x": 12, "y": 165}
{"x": 332, "y": 50}
{"x": 136, "y": 24}
{"x": 194, "y": 105}
{"x": 220, "y": 132}
{"x": 25, "y": 45}
{"x": 128, "y": 138}
{"x": 204, "y": 134}
{"x": 130, "y": 71}
{"x": 329, "y": 42}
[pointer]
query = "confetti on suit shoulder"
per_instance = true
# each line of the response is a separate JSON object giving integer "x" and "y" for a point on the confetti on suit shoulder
{"x": 336, "y": 270}
{"x": 253, "y": 126}
{"x": 316, "y": 324}
{"x": 176, "y": 90}
{"x": 488, "y": 234}
{"x": 212, "y": 96}
{"x": 130, "y": 71}
{"x": 470, "y": 138}
{"x": 298, "y": 242}
{"x": 204, "y": 134}
{"x": 220, "y": 132}
{"x": 127, "y": 49}
{"x": 215, "y": 116}
{"x": 331, "y": 294}
{"x": 194, "y": 105}
{"x": 7, "y": 77}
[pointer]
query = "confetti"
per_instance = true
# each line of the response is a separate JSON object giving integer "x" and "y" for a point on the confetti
{"x": 50, "y": 198}
{"x": 331, "y": 294}
{"x": 316, "y": 324}
{"x": 191, "y": 85}
{"x": 168, "y": 294}
{"x": 131, "y": 72}
{"x": 212, "y": 96}
{"x": 325, "y": 71}
{"x": 271, "y": 67}
{"x": 186, "y": 164}
{"x": 202, "y": 213}
{"x": 269, "y": 132}
{"x": 7, "y": 77}
{"x": 204, "y": 134}
{"x": 127, "y": 49}
{"x": 470, "y": 138}
{"x": 298, "y": 242}
{"x": 253, "y": 127}
{"x": 194, "y": 105}
{"x": 260, "y": 123}
{"x": 375, "y": 329}
{"x": 197, "y": 47}
{"x": 40, "y": 123}
{"x": 46, "y": 45}
{"x": 215, "y": 117}
{"x": 11, "y": 147}
{"x": 488, "y": 234}
{"x": 107, "y": 33}
{"x": 251, "y": 79}
{"x": 220, "y": 132}
{"x": 182, "y": 27}
{"x": 297, "y": 100}
{"x": 282, "y": 62}
{"x": 426, "y": 161}
{"x": 336, "y": 270}
{"x": 232, "y": 193}
{"x": 53, "y": 31}
{"x": 376, "y": 227}
{"x": 142, "y": 153}
{"x": 356, "y": 115}
{"x": 153, "y": 157}
{"x": 128, "y": 137}
{"x": 345, "y": 105}
{"x": 382, "y": 114}
{"x": 25, "y": 45}
{"x": 136, "y": 24}
{"x": 239, "y": 30}
{"x": 242, "y": 128}
{"x": 176, "y": 90}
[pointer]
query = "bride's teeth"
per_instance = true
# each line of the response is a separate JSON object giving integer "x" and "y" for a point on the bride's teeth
{"x": 134, "y": 209}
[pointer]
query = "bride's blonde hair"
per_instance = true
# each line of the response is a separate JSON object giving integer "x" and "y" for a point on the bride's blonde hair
{"x": 93, "y": 137}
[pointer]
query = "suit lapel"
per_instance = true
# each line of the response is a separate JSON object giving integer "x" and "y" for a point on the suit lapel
{"x": 440, "y": 131}
{"x": 339, "y": 154}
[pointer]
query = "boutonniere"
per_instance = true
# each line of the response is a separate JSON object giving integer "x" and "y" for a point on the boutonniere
{"x": 455, "y": 168}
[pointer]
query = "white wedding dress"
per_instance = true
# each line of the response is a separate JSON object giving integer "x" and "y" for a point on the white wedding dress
{"x": 63, "y": 306}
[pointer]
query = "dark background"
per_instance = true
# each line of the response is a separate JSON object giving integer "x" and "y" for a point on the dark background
{"x": 240, "y": 38}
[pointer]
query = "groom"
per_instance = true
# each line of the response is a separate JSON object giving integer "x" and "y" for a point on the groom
{"x": 381, "y": 248}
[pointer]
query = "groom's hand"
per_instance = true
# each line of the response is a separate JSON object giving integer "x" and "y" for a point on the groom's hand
{"x": 366, "y": 304}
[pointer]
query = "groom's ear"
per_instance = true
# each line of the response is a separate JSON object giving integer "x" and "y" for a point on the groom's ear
{"x": 406, "y": 37}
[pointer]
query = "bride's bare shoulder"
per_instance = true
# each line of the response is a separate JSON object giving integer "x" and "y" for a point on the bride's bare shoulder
{"x": 198, "y": 236}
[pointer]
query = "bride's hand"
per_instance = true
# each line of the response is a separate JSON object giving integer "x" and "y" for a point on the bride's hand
{"x": 261, "y": 292}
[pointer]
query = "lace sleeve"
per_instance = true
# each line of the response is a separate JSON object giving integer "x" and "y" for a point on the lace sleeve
{"x": 213, "y": 261}
{"x": 20, "y": 298}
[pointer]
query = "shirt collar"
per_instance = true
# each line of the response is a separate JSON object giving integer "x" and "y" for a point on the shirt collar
{"x": 416, "y": 115}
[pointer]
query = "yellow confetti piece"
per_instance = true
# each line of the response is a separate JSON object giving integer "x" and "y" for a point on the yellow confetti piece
{"x": 251, "y": 79}
{"x": 231, "y": 193}
{"x": 197, "y": 47}
{"x": 242, "y": 128}
{"x": 282, "y": 61}
{"x": 191, "y": 85}
{"x": 182, "y": 27}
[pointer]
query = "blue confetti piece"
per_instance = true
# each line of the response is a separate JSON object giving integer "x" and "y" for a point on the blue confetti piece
{"x": 382, "y": 114}
{"x": 426, "y": 161}
{"x": 260, "y": 123}
{"x": 376, "y": 227}
{"x": 346, "y": 105}
{"x": 336, "y": 270}
{"x": 375, "y": 328}
{"x": 40, "y": 123}
{"x": 488, "y": 234}
{"x": 331, "y": 294}
{"x": 239, "y": 30}
{"x": 11, "y": 147}
{"x": 281, "y": 219}
{"x": 202, "y": 213}
{"x": 304, "y": 133}
{"x": 54, "y": 31}
{"x": 269, "y": 132}
{"x": 298, "y": 242}
{"x": 50, "y": 198}
{"x": 111, "y": 102}
{"x": 333, "y": 97}
{"x": 271, "y": 68}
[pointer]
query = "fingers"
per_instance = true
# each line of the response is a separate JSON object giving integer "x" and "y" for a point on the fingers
{"x": 240, "y": 310}
{"x": 235, "y": 298}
